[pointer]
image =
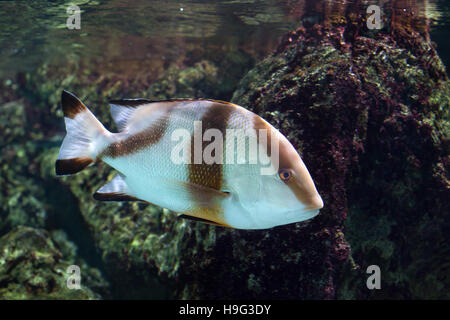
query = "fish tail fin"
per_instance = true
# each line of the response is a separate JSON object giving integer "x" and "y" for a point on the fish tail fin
{"x": 86, "y": 137}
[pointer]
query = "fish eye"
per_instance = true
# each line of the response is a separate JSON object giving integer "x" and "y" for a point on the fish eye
{"x": 285, "y": 174}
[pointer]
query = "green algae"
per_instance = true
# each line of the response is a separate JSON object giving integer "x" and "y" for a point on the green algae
{"x": 33, "y": 267}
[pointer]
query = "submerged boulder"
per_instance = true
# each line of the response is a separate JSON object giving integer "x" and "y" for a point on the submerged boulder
{"x": 33, "y": 266}
{"x": 369, "y": 114}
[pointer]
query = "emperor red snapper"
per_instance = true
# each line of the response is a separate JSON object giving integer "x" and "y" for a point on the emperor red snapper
{"x": 209, "y": 160}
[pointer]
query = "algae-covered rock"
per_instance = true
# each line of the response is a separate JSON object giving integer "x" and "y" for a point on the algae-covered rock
{"x": 129, "y": 238}
{"x": 21, "y": 199}
{"x": 33, "y": 267}
{"x": 369, "y": 114}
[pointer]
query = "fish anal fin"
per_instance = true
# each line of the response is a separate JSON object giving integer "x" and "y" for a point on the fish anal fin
{"x": 203, "y": 220}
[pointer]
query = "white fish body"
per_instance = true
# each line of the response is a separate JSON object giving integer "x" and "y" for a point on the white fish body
{"x": 226, "y": 192}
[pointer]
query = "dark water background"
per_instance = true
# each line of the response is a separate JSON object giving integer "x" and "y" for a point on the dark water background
{"x": 142, "y": 36}
{"x": 122, "y": 34}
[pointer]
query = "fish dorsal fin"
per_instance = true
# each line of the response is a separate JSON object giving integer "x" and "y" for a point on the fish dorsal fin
{"x": 122, "y": 110}
{"x": 115, "y": 190}
{"x": 130, "y": 102}
{"x": 134, "y": 115}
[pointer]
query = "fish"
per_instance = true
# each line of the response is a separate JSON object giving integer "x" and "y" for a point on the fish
{"x": 207, "y": 160}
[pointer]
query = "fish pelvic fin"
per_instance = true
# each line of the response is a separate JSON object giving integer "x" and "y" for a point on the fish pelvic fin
{"x": 203, "y": 220}
{"x": 85, "y": 139}
{"x": 116, "y": 190}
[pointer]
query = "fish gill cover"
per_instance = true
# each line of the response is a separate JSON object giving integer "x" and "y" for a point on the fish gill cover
{"x": 366, "y": 109}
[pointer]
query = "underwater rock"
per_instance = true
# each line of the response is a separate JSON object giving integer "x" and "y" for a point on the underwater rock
{"x": 369, "y": 114}
{"x": 33, "y": 267}
{"x": 20, "y": 197}
{"x": 203, "y": 79}
{"x": 32, "y": 258}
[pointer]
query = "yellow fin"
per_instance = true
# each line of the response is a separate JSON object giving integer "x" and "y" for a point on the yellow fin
{"x": 206, "y": 203}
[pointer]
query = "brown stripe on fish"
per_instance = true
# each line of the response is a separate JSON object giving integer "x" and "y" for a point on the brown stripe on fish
{"x": 300, "y": 182}
{"x": 143, "y": 139}
{"x": 209, "y": 175}
{"x": 260, "y": 124}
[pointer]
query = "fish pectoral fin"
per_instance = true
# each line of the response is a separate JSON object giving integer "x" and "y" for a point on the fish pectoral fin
{"x": 205, "y": 203}
{"x": 115, "y": 190}
{"x": 202, "y": 195}
{"x": 197, "y": 219}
